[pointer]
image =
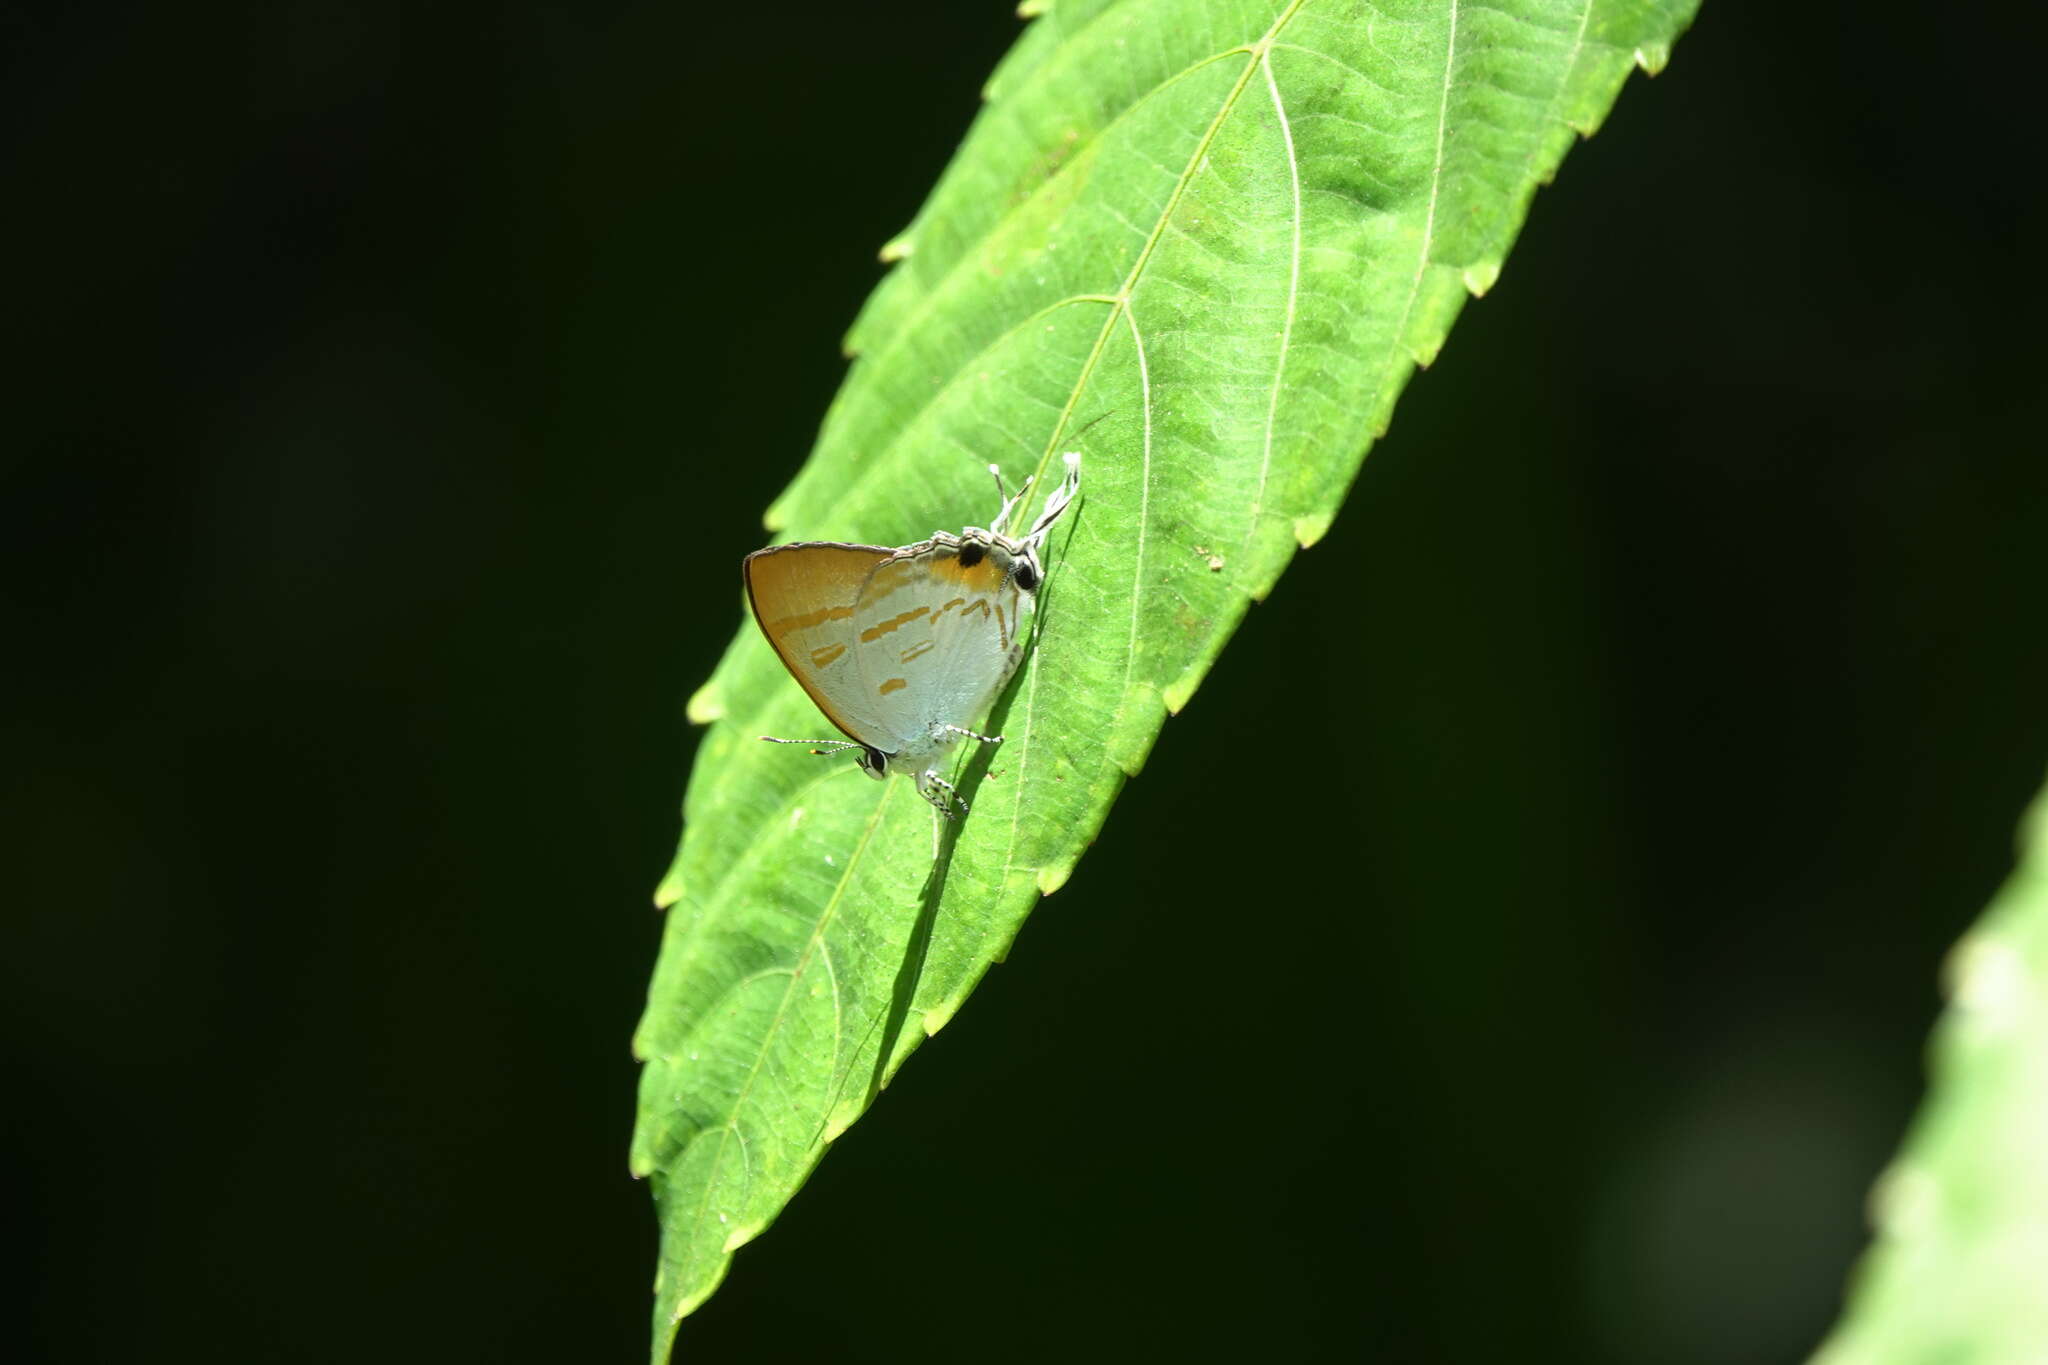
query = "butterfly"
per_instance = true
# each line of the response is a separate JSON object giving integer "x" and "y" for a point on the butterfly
{"x": 903, "y": 648}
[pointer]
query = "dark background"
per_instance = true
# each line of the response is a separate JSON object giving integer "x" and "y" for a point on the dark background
{"x": 401, "y": 385}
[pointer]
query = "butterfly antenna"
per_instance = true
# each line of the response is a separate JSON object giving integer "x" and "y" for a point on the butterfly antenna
{"x": 1002, "y": 517}
{"x": 837, "y": 744}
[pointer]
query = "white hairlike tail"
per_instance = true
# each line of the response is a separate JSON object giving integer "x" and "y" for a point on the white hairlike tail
{"x": 1057, "y": 503}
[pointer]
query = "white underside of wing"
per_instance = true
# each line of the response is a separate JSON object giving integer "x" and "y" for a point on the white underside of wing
{"x": 933, "y": 643}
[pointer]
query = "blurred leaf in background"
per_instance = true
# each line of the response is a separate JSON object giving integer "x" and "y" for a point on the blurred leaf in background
{"x": 1959, "y": 1271}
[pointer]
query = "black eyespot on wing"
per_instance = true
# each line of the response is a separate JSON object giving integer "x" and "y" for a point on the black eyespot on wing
{"x": 972, "y": 554}
{"x": 1026, "y": 577}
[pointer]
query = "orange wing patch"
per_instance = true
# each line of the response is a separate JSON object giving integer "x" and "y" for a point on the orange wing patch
{"x": 972, "y": 568}
{"x": 801, "y": 595}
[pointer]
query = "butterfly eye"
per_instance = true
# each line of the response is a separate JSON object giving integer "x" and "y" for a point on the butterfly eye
{"x": 1026, "y": 577}
{"x": 874, "y": 763}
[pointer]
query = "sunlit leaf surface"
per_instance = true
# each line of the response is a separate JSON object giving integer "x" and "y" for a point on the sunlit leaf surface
{"x": 1203, "y": 242}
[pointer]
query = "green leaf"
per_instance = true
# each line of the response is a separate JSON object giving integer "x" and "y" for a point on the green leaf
{"x": 1204, "y": 242}
{"x": 1959, "y": 1270}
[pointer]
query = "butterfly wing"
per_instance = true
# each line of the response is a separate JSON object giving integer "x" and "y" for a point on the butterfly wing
{"x": 936, "y": 635}
{"x": 804, "y": 598}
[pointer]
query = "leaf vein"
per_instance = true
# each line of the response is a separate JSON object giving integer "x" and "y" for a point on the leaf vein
{"x": 1187, "y": 174}
{"x": 1293, "y": 292}
{"x": 1436, "y": 181}
{"x": 815, "y": 942}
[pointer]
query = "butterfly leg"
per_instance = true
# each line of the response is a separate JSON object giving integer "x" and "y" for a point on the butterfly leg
{"x": 972, "y": 734}
{"x": 940, "y": 793}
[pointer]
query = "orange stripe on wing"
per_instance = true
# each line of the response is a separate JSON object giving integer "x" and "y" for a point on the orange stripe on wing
{"x": 876, "y": 632}
{"x": 893, "y": 685}
{"x": 807, "y": 620}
